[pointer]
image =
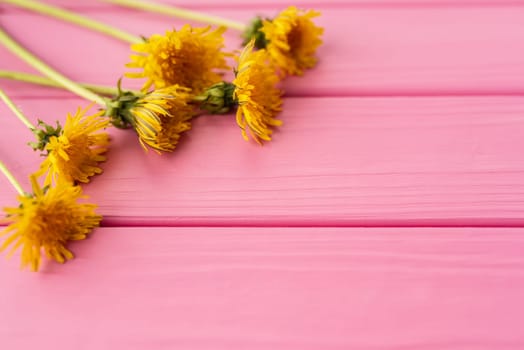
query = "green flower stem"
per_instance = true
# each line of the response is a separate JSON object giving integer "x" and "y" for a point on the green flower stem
{"x": 35, "y": 62}
{"x": 216, "y": 99}
{"x": 39, "y": 80}
{"x": 74, "y": 18}
{"x": 11, "y": 178}
{"x": 178, "y": 12}
{"x": 16, "y": 110}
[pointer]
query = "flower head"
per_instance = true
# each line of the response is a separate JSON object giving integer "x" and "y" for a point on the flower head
{"x": 256, "y": 94}
{"x": 188, "y": 57}
{"x": 48, "y": 219}
{"x": 159, "y": 117}
{"x": 75, "y": 152}
{"x": 292, "y": 40}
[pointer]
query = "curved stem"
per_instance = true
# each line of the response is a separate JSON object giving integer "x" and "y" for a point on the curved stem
{"x": 35, "y": 62}
{"x": 16, "y": 110}
{"x": 74, "y": 18}
{"x": 43, "y": 81}
{"x": 11, "y": 178}
{"x": 178, "y": 12}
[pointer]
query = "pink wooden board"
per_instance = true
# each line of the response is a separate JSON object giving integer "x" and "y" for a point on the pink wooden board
{"x": 368, "y": 50}
{"x": 273, "y": 288}
{"x": 336, "y": 161}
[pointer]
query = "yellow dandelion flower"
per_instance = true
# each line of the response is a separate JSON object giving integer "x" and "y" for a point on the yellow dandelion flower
{"x": 75, "y": 154}
{"x": 257, "y": 95}
{"x": 47, "y": 220}
{"x": 159, "y": 117}
{"x": 189, "y": 57}
{"x": 292, "y": 40}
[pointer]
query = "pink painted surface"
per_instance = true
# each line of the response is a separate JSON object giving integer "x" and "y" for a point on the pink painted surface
{"x": 336, "y": 161}
{"x": 367, "y": 51}
{"x": 274, "y": 288}
{"x": 414, "y": 117}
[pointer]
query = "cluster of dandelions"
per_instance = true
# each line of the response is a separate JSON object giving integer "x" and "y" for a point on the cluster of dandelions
{"x": 183, "y": 71}
{"x": 194, "y": 58}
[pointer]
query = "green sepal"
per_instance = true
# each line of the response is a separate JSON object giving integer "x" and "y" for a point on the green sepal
{"x": 253, "y": 31}
{"x": 43, "y": 133}
{"x": 118, "y": 109}
{"x": 217, "y": 99}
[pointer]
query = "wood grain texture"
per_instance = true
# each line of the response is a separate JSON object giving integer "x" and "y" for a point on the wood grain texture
{"x": 278, "y": 288}
{"x": 368, "y": 50}
{"x": 336, "y": 161}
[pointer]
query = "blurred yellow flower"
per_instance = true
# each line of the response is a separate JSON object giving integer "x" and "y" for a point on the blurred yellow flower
{"x": 292, "y": 40}
{"x": 75, "y": 154}
{"x": 47, "y": 220}
{"x": 189, "y": 57}
{"x": 257, "y": 94}
{"x": 160, "y": 116}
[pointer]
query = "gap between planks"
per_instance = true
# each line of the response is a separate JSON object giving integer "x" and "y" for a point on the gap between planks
{"x": 13, "y": 86}
{"x": 204, "y": 5}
